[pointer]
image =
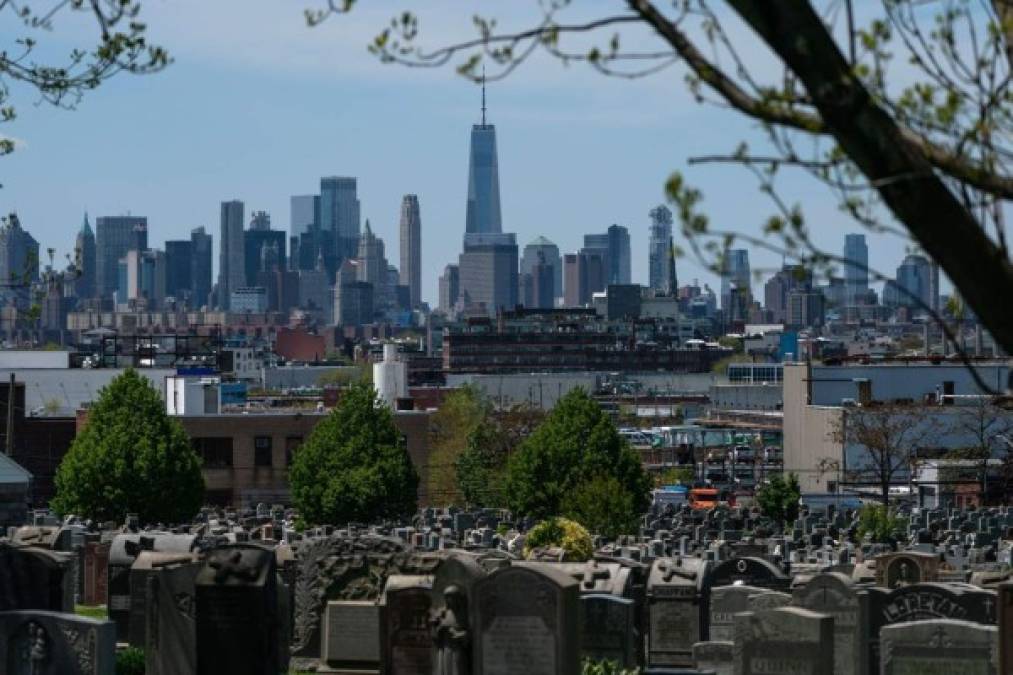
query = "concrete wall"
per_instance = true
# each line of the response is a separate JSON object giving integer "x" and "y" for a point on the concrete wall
{"x": 746, "y": 396}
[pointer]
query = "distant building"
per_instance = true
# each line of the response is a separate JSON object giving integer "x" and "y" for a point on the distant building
{"x": 316, "y": 291}
{"x": 260, "y": 221}
{"x": 251, "y": 299}
{"x": 856, "y": 268}
{"x": 483, "y": 215}
{"x": 543, "y": 286}
{"x": 541, "y": 250}
{"x": 305, "y": 214}
{"x": 19, "y": 262}
{"x": 777, "y": 289}
{"x": 201, "y": 267}
{"x": 411, "y": 249}
{"x": 231, "y": 264}
{"x": 450, "y": 284}
{"x": 575, "y": 288}
{"x": 142, "y": 276}
{"x": 256, "y": 244}
{"x": 179, "y": 269}
{"x": 114, "y": 236}
{"x": 913, "y": 286}
{"x": 805, "y": 309}
{"x": 339, "y": 216}
{"x": 735, "y": 275}
{"x": 372, "y": 267}
{"x": 661, "y": 264}
{"x": 488, "y": 272}
{"x": 619, "y": 256}
{"x": 84, "y": 261}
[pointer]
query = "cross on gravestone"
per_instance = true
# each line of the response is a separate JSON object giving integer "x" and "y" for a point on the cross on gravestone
{"x": 784, "y": 641}
{"x": 592, "y": 573}
{"x": 939, "y": 646}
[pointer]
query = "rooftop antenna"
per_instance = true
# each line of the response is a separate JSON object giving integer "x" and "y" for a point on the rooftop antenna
{"x": 483, "y": 95}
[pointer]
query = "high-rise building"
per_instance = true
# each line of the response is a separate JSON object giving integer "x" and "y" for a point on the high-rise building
{"x": 575, "y": 286}
{"x": 934, "y": 291}
{"x": 788, "y": 279}
{"x": 450, "y": 284}
{"x": 202, "y": 261}
{"x": 619, "y": 256}
{"x": 856, "y": 268}
{"x": 488, "y": 272}
{"x": 372, "y": 267}
{"x": 598, "y": 261}
{"x": 257, "y": 243}
{"x": 661, "y": 265}
{"x": 543, "y": 284}
{"x": 305, "y": 214}
{"x": 260, "y": 221}
{"x": 141, "y": 279}
{"x": 19, "y": 262}
{"x": 84, "y": 260}
{"x": 735, "y": 276}
{"x": 179, "y": 270}
{"x": 483, "y": 215}
{"x": 913, "y": 284}
{"x": 114, "y": 236}
{"x": 542, "y": 251}
{"x": 231, "y": 254}
{"x": 339, "y": 215}
{"x": 353, "y": 299}
{"x": 411, "y": 249}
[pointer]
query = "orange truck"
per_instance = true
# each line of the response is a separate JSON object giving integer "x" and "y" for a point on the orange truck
{"x": 703, "y": 498}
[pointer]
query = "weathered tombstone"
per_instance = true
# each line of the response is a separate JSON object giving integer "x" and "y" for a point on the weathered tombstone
{"x": 171, "y": 646}
{"x": 608, "y": 629}
{"x": 237, "y": 612}
{"x": 35, "y": 578}
{"x": 767, "y": 600}
{"x": 939, "y": 647}
{"x": 36, "y": 642}
{"x": 716, "y": 657}
{"x": 726, "y": 602}
{"x": 351, "y": 635}
{"x": 676, "y": 619}
{"x": 784, "y": 641}
{"x": 904, "y": 568}
{"x": 525, "y": 621}
{"x": 139, "y": 573}
{"x": 406, "y": 641}
{"x": 1005, "y": 613}
{"x": 96, "y": 567}
{"x": 835, "y": 595}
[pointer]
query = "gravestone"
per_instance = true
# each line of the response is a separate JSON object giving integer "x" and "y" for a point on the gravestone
{"x": 716, "y": 657}
{"x": 171, "y": 640}
{"x": 237, "y": 612}
{"x": 939, "y": 647}
{"x": 1005, "y": 613}
{"x": 675, "y": 615}
{"x": 525, "y": 621}
{"x": 406, "y": 641}
{"x": 608, "y": 629}
{"x": 34, "y": 642}
{"x": 904, "y": 568}
{"x": 35, "y": 578}
{"x": 784, "y": 641}
{"x": 139, "y": 573}
{"x": 767, "y": 600}
{"x": 351, "y": 635}
{"x": 96, "y": 567}
{"x": 725, "y": 603}
{"x": 835, "y": 595}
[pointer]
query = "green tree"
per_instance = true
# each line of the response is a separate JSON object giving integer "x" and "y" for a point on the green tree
{"x": 481, "y": 468}
{"x": 683, "y": 475}
{"x": 450, "y": 428}
{"x": 130, "y": 458}
{"x": 604, "y": 506}
{"x": 778, "y": 499}
{"x": 576, "y": 443}
{"x": 879, "y": 523}
{"x": 354, "y": 466}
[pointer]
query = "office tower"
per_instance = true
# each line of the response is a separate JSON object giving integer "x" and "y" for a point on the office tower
{"x": 316, "y": 291}
{"x": 141, "y": 279}
{"x": 449, "y": 288}
{"x": 201, "y": 265}
{"x": 659, "y": 248}
{"x": 543, "y": 284}
{"x": 805, "y": 309}
{"x": 372, "y": 266}
{"x": 353, "y": 299}
{"x": 339, "y": 215}
{"x": 483, "y": 214}
{"x": 597, "y": 263}
{"x": 856, "y": 268}
{"x": 19, "y": 262}
{"x": 913, "y": 284}
{"x": 788, "y": 279}
{"x": 619, "y": 255}
{"x": 260, "y": 221}
{"x": 575, "y": 290}
{"x": 411, "y": 249}
{"x": 84, "y": 261}
{"x": 179, "y": 270}
{"x": 114, "y": 236}
{"x": 735, "y": 276}
{"x": 231, "y": 263}
{"x": 488, "y": 272}
{"x": 255, "y": 242}
{"x": 542, "y": 251}
{"x": 305, "y": 214}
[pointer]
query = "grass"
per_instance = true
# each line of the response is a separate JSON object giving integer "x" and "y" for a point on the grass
{"x": 97, "y": 612}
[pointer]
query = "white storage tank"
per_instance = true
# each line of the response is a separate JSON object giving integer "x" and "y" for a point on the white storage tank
{"x": 390, "y": 376}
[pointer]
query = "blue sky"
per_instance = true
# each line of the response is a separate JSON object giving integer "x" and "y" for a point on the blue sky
{"x": 257, "y": 107}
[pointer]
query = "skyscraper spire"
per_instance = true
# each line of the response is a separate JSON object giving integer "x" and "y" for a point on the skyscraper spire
{"x": 483, "y": 95}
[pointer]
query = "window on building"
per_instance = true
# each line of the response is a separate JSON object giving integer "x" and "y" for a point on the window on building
{"x": 262, "y": 450}
{"x": 215, "y": 451}
{"x": 292, "y": 443}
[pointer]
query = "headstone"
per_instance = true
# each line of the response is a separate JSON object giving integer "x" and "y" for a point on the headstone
{"x": 725, "y": 603}
{"x": 784, "y": 641}
{"x": 1005, "y": 612}
{"x": 237, "y": 612}
{"x": 939, "y": 647}
{"x": 835, "y": 595}
{"x": 405, "y": 637}
{"x": 96, "y": 567}
{"x": 35, "y": 578}
{"x": 608, "y": 629}
{"x": 171, "y": 646}
{"x": 767, "y": 600}
{"x": 351, "y": 636}
{"x": 139, "y": 573}
{"x": 676, "y": 620}
{"x": 36, "y": 642}
{"x": 525, "y": 622}
{"x": 715, "y": 657}
{"x": 894, "y": 570}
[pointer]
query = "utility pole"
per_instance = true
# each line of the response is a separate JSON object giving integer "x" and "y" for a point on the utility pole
{"x": 10, "y": 418}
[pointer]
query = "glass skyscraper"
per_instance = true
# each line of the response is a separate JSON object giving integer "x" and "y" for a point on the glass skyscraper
{"x": 856, "y": 267}
{"x": 483, "y": 214}
{"x": 339, "y": 215}
{"x": 660, "y": 263}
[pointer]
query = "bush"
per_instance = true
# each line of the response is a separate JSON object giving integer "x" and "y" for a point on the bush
{"x": 590, "y": 667}
{"x": 778, "y": 499}
{"x": 131, "y": 457}
{"x": 561, "y": 533}
{"x": 130, "y": 661}
{"x": 354, "y": 466}
{"x": 879, "y": 524}
{"x": 576, "y": 443}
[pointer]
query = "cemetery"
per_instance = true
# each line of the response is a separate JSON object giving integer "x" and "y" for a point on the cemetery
{"x": 451, "y": 591}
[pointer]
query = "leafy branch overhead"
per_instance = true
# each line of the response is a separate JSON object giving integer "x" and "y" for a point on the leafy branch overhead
{"x": 902, "y": 109}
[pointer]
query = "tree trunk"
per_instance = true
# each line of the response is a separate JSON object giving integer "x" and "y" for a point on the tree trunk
{"x": 895, "y": 165}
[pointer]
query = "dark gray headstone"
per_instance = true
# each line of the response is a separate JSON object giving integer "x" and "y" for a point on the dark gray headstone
{"x": 675, "y": 616}
{"x": 784, "y": 641}
{"x": 51, "y": 643}
{"x": 406, "y": 642}
{"x": 171, "y": 646}
{"x": 35, "y": 578}
{"x": 835, "y": 595}
{"x": 608, "y": 629}
{"x": 351, "y": 636}
{"x": 939, "y": 647}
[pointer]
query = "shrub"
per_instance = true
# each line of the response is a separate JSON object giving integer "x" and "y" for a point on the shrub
{"x": 563, "y": 533}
